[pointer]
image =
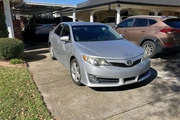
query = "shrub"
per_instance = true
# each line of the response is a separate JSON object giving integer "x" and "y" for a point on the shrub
{"x": 16, "y": 61}
{"x": 3, "y": 27}
{"x": 10, "y": 48}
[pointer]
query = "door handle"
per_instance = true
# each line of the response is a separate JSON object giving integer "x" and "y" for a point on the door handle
{"x": 143, "y": 31}
{"x": 125, "y": 31}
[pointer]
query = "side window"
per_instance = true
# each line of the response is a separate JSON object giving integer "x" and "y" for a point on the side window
{"x": 66, "y": 31}
{"x": 58, "y": 29}
{"x": 152, "y": 22}
{"x": 139, "y": 22}
{"x": 126, "y": 23}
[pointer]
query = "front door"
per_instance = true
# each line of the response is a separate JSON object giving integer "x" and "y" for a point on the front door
{"x": 56, "y": 39}
{"x": 124, "y": 27}
{"x": 139, "y": 30}
{"x": 65, "y": 48}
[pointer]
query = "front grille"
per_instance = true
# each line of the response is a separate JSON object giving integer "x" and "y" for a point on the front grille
{"x": 108, "y": 80}
{"x": 124, "y": 65}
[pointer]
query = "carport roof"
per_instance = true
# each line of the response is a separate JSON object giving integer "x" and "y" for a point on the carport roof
{"x": 94, "y": 3}
{"x": 14, "y": 2}
{"x": 30, "y": 8}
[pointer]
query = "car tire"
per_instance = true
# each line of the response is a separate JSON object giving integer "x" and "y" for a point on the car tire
{"x": 175, "y": 52}
{"x": 150, "y": 47}
{"x": 51, "y": 52}
{"x": 75, "y": 72}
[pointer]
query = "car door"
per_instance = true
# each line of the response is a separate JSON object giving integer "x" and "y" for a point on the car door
{"x": 139, "y": 30}
{"x": 124, "y": 27}
{"x": 65, "y": 48}
{"x": 55, "y": 39}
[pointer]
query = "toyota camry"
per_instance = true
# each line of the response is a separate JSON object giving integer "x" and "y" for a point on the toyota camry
{"x": 97, "y": 56}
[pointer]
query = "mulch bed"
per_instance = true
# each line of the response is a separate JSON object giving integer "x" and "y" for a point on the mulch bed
{"x": 8, "y": 64}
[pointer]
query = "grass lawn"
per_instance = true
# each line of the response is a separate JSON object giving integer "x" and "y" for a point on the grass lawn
{"x": 19, "y": 97}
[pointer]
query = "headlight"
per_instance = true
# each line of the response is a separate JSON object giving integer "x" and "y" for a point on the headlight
{"x": 145, "y": 56}
{"x": 95, "y": 61}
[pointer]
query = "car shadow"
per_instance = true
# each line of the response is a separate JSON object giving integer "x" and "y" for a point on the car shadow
{"x": 34, "y": 46}
{"x": 131, "y": 86}
{"x": 35, "y": 55}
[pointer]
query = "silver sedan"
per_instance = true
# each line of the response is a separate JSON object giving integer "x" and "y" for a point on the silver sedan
{"x": 97, "y": 56}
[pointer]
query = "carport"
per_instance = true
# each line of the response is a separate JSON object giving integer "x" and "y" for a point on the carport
{"x": 34, "y": 8}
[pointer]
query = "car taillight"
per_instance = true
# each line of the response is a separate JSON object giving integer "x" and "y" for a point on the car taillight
{"x": 53, "y": 25}
{"x": 169, "y": 30}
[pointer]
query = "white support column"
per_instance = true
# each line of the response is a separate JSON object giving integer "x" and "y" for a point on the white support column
{"x": 156, "y": 13}
{"x": 9, "y": 23}
{"x": 118, "y": 15}
{"x": 74, "y": 15}
{"x": 92, "y": 16}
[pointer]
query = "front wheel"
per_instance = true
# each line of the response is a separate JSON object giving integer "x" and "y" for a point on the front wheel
{"x": 150, "y": 48}
{"x": 75, "y": 72}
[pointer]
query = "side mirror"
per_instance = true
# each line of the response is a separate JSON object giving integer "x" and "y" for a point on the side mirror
{"x": 114, "y": 26}
{"x": 122, "y": 35}
{"x": 64, "y": 38}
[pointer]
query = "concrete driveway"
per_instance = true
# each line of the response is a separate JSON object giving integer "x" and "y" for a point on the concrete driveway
{"x": 157, "y": 98}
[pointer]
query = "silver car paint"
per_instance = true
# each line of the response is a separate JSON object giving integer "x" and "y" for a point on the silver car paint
{"x": 116, "y": 51}
{"x": 111, "y": 49}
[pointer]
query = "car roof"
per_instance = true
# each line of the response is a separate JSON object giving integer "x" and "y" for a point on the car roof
{"x": 152, "y": 17}
{"x": 82, "y": 23}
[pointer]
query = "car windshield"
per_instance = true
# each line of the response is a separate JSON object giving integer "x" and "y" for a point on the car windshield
{"x": 94, "y": 33}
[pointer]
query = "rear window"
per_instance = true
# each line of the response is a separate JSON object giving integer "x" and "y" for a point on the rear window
{"x": 175, "y": 23}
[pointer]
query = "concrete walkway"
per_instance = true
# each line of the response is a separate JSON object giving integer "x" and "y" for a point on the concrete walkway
{"x": 157, "y": 98}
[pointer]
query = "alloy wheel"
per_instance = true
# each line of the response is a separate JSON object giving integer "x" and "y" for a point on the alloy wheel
{"x": 149, "y": 49}
{"x": 75, "y": 72}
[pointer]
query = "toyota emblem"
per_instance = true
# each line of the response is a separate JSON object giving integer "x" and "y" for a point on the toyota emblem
{"x": 129, "y": 62}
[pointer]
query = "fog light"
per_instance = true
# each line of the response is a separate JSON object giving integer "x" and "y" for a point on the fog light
{"x": 93, "y": 79}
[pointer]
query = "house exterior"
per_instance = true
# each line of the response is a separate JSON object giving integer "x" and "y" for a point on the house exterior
{"x": 5, "y": 7}
{"x": 98, "y": 10}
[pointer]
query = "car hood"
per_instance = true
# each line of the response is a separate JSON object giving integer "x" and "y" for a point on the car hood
{"x": 115, "y": 49}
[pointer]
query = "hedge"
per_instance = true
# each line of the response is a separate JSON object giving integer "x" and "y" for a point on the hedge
{"x": 10, "y": 48}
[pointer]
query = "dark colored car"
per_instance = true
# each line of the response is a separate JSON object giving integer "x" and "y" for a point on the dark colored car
{"x": 156, "y": 34}
{"x": 38, "y": 29}
{"x": 64, "y": 19}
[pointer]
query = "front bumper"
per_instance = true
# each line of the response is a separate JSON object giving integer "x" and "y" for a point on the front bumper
{"x": 111, "y": 76}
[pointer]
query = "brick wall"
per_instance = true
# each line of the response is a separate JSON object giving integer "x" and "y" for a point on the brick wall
{"x": 16, "y": 24}
{"x": 17, "y": 29}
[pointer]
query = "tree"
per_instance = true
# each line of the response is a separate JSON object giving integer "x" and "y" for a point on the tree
{"x": 3, "y": 28}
